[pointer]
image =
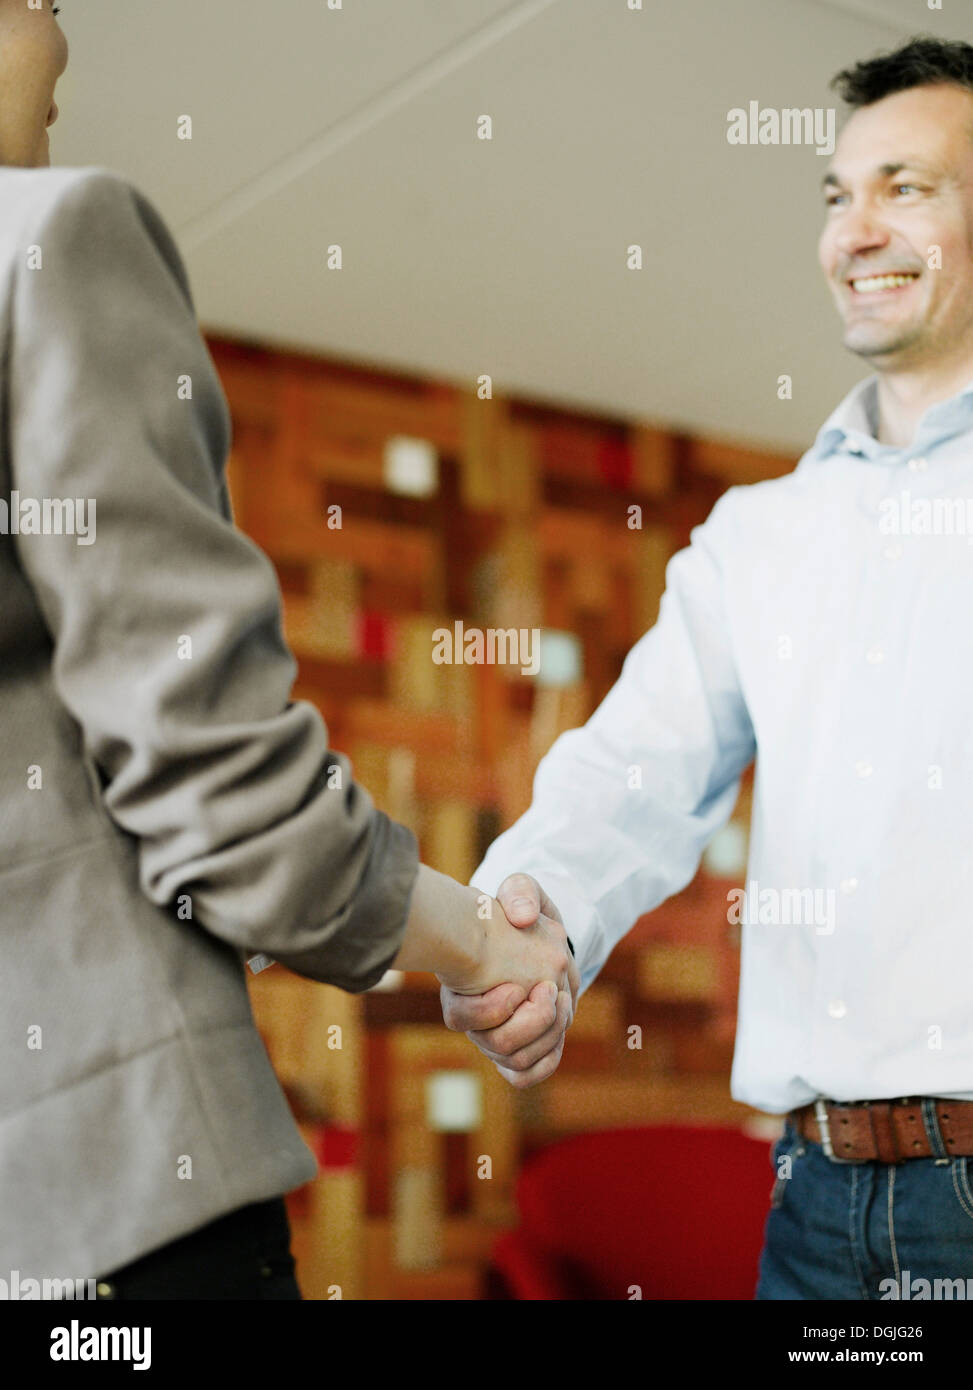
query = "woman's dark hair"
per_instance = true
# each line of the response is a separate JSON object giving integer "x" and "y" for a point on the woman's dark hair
{"x": 919, "y": 63}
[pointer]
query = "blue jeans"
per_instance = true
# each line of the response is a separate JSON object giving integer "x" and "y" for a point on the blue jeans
{"x": 867, "y": 1230}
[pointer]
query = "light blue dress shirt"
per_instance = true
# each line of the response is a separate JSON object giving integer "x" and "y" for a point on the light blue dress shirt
{"x": 822, "y": 622}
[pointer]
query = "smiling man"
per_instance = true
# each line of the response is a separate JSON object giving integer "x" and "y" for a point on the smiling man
{"x": 848, "y": 675}
{"x": 897, "y": 246}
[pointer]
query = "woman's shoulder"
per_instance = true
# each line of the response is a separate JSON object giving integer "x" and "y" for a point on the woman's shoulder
{"x": 35, "y": 197}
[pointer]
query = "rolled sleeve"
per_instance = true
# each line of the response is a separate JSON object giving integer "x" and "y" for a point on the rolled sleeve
{"x": 623, "y": 807}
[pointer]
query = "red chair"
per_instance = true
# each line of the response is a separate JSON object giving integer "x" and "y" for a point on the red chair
{"x": 677, "y": 1210}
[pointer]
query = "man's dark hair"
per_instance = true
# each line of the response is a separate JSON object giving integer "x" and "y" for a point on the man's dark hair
{"x": 921, "y": 62}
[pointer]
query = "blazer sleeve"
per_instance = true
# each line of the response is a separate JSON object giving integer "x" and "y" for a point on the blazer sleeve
{"x": 166, "y": 624}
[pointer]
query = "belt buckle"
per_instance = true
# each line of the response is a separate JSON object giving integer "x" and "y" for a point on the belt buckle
{"x": 824, "y": 1128}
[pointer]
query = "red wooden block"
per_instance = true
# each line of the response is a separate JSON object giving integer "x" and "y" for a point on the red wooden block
{"x": 615, "y": 462}
{"x": 375, "y": 637}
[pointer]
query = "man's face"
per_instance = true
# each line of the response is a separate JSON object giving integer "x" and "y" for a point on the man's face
{"x": 33, "y": 54}
{"x": 901, "y": 182}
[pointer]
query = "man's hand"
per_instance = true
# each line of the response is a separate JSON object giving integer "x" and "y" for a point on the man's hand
{"x": 522, "y": 1034}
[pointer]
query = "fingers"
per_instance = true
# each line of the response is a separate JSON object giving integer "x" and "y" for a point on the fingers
{"x": 526, "y": 1038}
{"x": 522, "y": 1059}
{"x": 529, "y": 1022}
{"x": 540, "y": 1071}
{"x": 463, "y": 1012}
{"x": 520, "y": 897}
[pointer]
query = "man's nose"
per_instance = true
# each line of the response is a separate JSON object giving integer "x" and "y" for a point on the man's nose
{"x": 859, "y": 230}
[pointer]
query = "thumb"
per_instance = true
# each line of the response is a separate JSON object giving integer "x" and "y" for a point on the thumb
{"x": 520, "y": 897}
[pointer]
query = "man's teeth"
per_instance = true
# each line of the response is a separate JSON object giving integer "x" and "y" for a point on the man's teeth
{"x": 881, "y": 282}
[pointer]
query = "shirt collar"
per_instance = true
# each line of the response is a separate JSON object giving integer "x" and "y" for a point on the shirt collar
{"x": 851, "y": 426}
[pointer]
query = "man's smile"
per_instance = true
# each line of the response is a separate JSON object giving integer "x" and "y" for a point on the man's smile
{"x": 883, "y": 285}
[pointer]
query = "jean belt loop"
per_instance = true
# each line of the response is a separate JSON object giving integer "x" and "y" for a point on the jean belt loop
{"x": 933, "y": 1132}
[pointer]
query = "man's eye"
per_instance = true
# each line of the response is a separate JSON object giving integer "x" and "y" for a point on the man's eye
{"x": 836, "y": 198}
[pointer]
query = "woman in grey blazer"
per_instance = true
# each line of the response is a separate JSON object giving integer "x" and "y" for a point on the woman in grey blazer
{"x": 166, "y": 809}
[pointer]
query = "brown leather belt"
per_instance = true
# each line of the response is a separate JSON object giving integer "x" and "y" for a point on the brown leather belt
{"x": 884, "y": 1131}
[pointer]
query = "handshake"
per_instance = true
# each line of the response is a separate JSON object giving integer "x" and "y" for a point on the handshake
{"x": 519, "y": 1010}
{"x": 507, "y": 974}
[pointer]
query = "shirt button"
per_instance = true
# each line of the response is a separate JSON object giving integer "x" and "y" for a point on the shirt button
{"x": 848, "y": 885}
{"x": 837, "y": 1008}
{"x": 892, "y": 551}
{"x": 874, "y": 655}
{"x": 864, "y": 769}
{"x": 918, "y": 465}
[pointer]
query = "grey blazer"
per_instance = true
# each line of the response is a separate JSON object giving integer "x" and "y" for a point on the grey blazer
{"x": 165, "y": 808}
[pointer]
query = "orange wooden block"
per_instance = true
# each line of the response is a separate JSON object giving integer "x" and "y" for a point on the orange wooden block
{"x": 379, "y": 721}
{"x": 654, "y": 453}
{"x": 733, "y": 464}
{"x": 346, "y": 409}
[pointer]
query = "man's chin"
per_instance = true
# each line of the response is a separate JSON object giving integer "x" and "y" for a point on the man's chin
{"x": 878, "y": 347}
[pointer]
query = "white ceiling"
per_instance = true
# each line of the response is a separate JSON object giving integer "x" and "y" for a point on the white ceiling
{"x": 313, "y": 126}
